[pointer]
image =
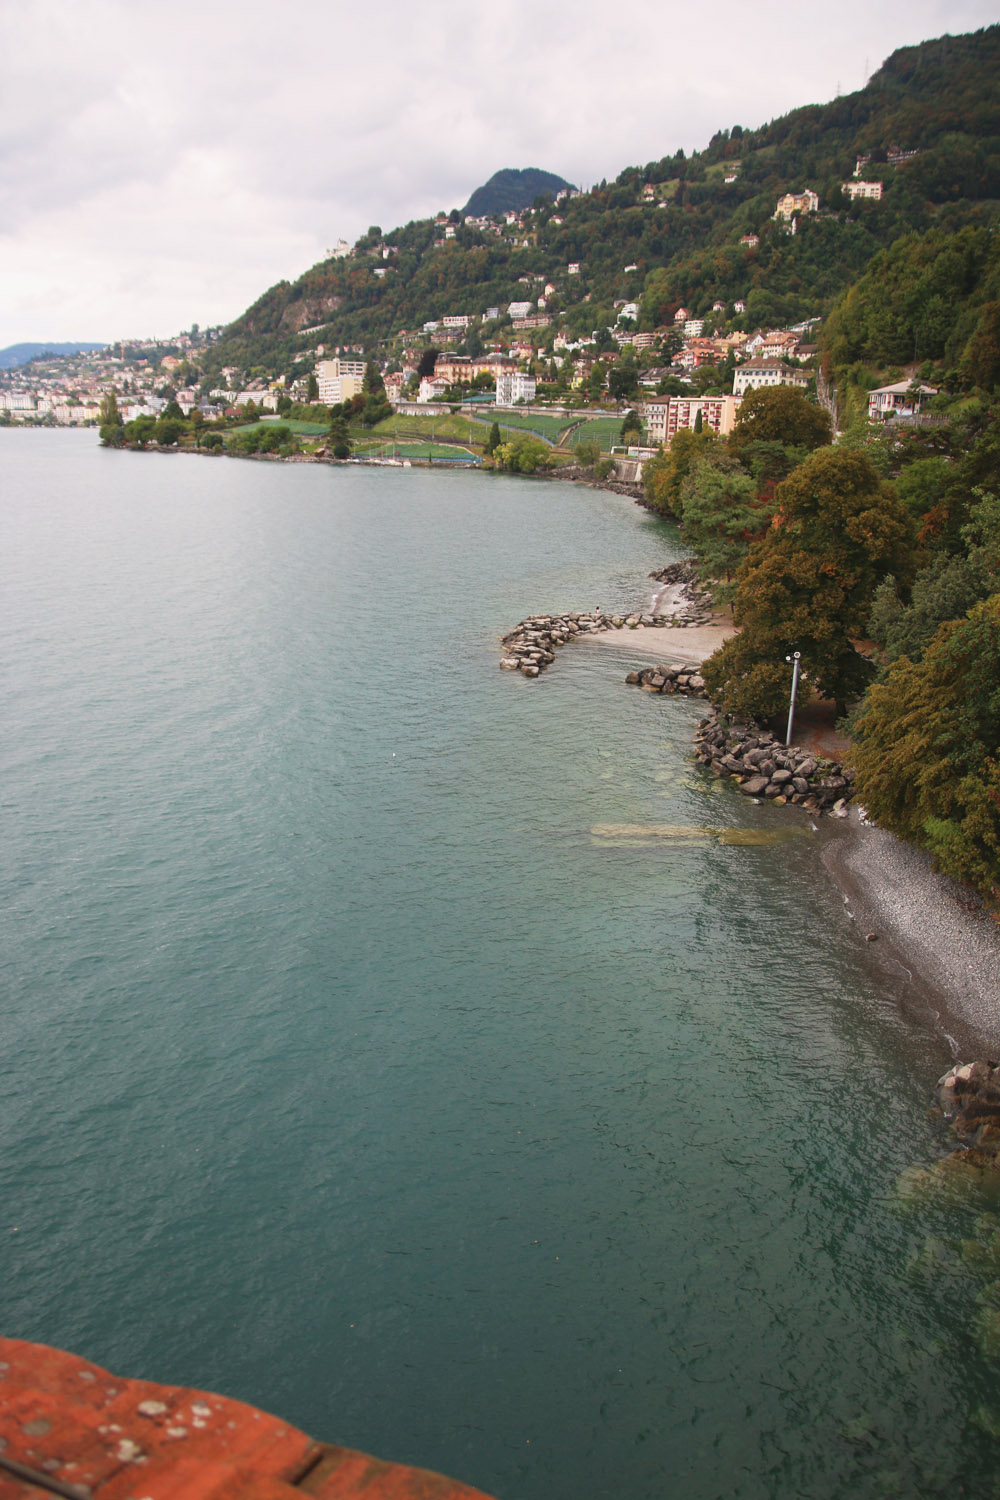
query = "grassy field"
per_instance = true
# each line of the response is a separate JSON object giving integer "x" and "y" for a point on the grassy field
{"x": 411, "y": 450}
{"x": 303, "y": 429}
{"x": 421, "y": 428}
{"x": 603, "y": 430}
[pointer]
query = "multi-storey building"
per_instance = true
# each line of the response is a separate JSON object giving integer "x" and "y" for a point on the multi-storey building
{"x": 796, "y": 203}
{"x": 862, "y": 190}
{"x": 514, "y": 385}
{"x": 339, "y": 379}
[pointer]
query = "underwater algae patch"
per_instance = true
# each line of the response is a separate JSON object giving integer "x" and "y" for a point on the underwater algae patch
{"x": 693, "y": 833}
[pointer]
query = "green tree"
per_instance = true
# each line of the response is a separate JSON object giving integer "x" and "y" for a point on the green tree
{"x": 926, "y": 757}
{"x": 168, "y": 430}
{"x": 808, "y": 586}
{"x": 112, "y": 428}
{"x": 312, "y": 388}
{"x": 141, "y": 430}
{"x": 622, "y": 380}
{"x": 780, "y": 414}
{"x": 723, "y": 514}
{"x": 522, "y": 455}
{"x": 338, "y": 435}
{"x": 494, "y": 440}
{"x": 631, "y": 430}
{"x": 664, "y": 476}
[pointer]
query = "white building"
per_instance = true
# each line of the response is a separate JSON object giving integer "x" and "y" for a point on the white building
{"x": 431, "y": 388}
{"x": 694, "y": 328}
{"x": 519, "y": 310}
{"x": 862, "y": 190}
{"x": 767, "y": 372}
{"x": 513, "y": 385}
{"x": 904, "y": 399}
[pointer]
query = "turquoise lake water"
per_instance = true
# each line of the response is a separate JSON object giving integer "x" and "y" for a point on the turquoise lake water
{"x": 347, "y": 1070}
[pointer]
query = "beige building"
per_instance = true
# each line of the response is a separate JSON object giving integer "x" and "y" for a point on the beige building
{"x": 797, "y": 203}
{"x": 667, "y": 415}
{"x": 339, "y": 379}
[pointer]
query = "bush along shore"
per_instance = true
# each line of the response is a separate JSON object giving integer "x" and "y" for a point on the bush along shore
{"x": 762, "y": 766}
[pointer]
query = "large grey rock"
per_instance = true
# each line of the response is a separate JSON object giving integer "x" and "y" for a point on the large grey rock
{"x": 754, "y": 786}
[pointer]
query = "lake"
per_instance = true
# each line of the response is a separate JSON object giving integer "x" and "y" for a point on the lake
{"x": 349, "y": 1072}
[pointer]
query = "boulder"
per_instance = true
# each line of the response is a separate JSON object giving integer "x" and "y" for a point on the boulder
{"x": 753, "y": 786}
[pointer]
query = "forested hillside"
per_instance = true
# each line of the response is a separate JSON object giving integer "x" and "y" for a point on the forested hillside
{"x": 668, "y": 234}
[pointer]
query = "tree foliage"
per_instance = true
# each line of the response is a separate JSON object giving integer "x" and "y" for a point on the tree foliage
{"x": 780, "y": 414}
{"x": 723, "y": 513}
{"x": 927, "y": 763}
{"x": 663, "y": 476}
{"x": 808, "y": 585}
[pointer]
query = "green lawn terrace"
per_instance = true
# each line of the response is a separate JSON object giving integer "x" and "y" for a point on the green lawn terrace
{"x": 424, "y": 451}
{"x": 459, "y": 436}
{"x": 604, "y": 431}
{"x": 301, "y": 429}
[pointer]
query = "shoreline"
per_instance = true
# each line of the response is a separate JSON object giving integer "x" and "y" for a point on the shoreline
{"x": 925, "y": 929}
{"x": 931, "y": 937}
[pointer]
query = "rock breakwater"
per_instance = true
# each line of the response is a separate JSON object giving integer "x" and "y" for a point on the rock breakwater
{"x": 677, "y": 678}
{"x": 763, "y": 766}
{"x": 531, "y": 646}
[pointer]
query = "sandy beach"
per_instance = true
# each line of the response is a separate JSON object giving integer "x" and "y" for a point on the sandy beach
{"x": 690, "y": 644}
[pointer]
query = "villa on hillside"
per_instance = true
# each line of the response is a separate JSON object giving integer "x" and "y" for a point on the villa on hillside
{"x": 904, "y": 399}
{"x": 796, "y": 203}
{"x": 767, "y": 372}
{"x": 862, "y": 190}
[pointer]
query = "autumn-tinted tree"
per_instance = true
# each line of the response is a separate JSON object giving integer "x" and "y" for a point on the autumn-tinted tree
{"x": 780, "y": 414}
{"x": 808, "y": 586}
{"x": 926, "y": 760}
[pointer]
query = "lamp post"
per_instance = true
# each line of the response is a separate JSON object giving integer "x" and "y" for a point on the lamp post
{"x": 794, "y": 659}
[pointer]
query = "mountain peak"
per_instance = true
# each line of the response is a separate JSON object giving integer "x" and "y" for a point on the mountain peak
{"x": 513, "y": 188}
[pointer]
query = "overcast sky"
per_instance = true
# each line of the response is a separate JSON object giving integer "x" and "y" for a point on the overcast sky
{"x": 163, "y": 165}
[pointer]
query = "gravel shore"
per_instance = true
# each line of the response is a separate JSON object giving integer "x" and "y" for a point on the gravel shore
{"x": 927, "y": 926}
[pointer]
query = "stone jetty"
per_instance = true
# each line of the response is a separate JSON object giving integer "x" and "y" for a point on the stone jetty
{"x": 673, "y": 679}
{"x": 531, "y": 646}
{"x": 763, "y": 766}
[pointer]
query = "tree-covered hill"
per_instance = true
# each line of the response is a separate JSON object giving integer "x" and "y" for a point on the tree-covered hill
{"x": 512, "y": 189}
{"x": 16, "y": 355}
{"x": 668, "y": 234}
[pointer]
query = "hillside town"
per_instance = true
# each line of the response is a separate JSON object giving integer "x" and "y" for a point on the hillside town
{"x": 693, "y": 370}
